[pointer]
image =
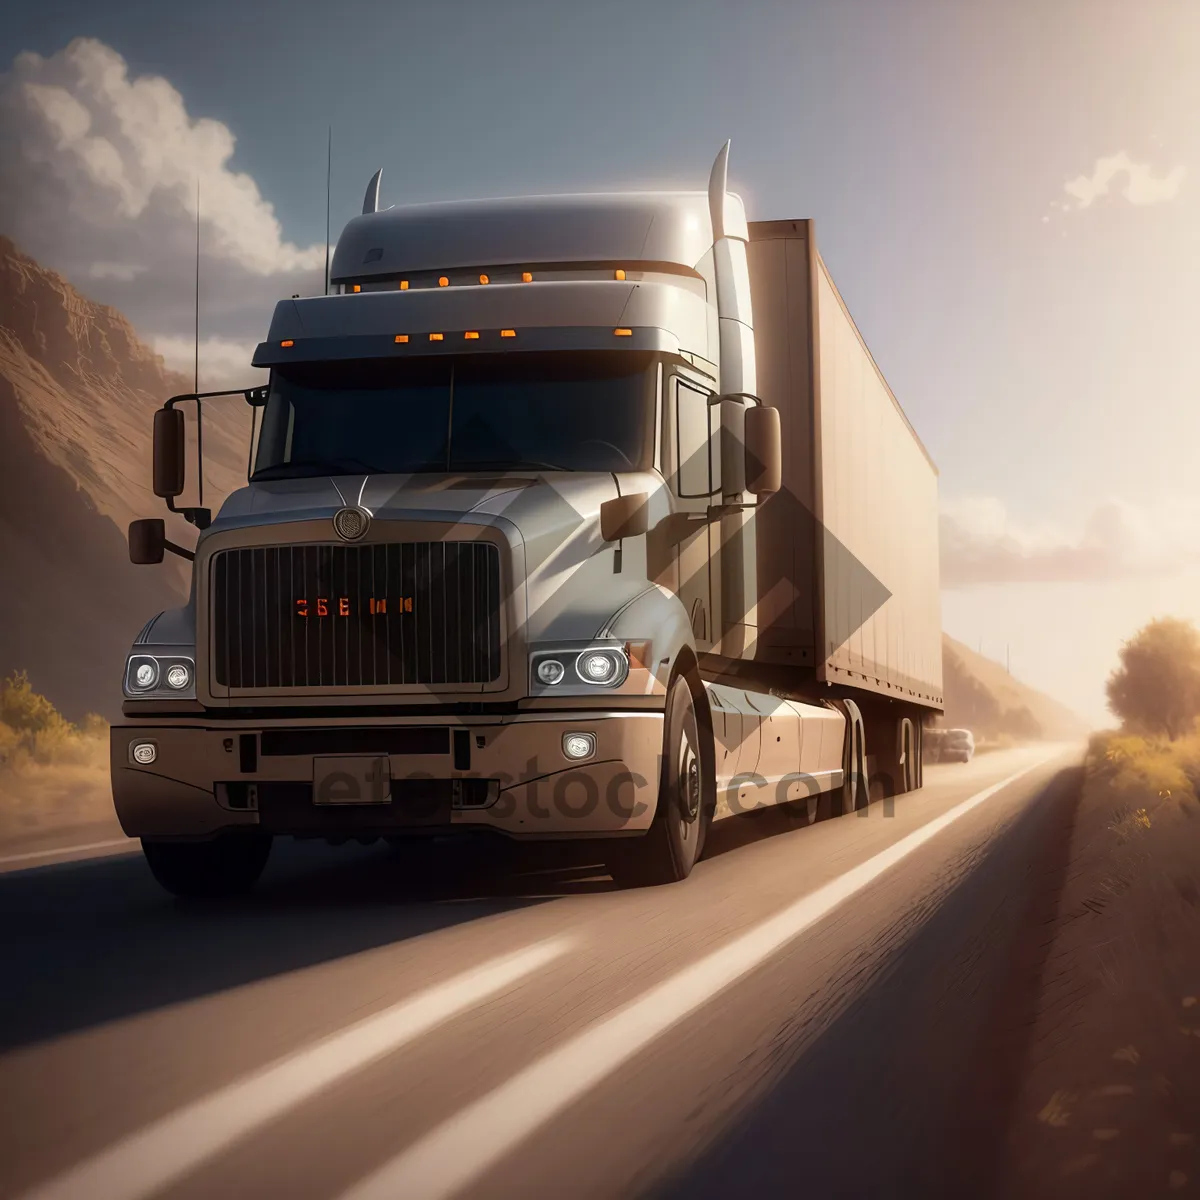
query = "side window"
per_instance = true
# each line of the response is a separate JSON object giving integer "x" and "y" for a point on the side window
{"x": 697, "y": 441}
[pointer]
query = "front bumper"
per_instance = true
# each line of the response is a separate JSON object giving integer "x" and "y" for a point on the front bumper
{"x": 209, "y": 777}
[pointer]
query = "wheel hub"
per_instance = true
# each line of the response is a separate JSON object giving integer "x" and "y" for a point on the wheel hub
{"x": 689, "y": 783}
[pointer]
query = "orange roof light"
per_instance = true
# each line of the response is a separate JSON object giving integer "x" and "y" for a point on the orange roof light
{"x": 287, "y": 344}
{"x": 619, "y": 273}
{"x": 404, "y": 285}
{"x": 526, "y": 277}
{"x": 508, "y": 333}
{"x": 402, "y": 337}
{"x": 443, "y": 281}
{"x": 484, "y": 279}
{"x": 357, "y": 288}
{"x": 622, "y": 333}
{"x": 471, "y": 335}
{"x": 435, "y": 337}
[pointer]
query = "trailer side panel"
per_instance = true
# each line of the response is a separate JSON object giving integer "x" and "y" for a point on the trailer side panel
{"x": 877, "y": 503}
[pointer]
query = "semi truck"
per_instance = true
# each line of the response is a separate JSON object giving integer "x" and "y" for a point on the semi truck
{"x": 567, "y": 517}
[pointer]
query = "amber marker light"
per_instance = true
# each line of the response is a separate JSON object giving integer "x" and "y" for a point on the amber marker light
{"x": 484, "y": 279}
{"x": 435, "y": 337}
{"x": 286, "y": 345}
{"x": 402, "y": 337}
{"x": 526, "y": 276}
{"x": 471, "y": 335}
{"x": 508, "y": 333}
{"x": 622, "y": 333}
{"x": 619, "y": 273}
{"x": 357, "y": 288}
{"x": 443, "y": 281}
{"x": 404, "y": 285}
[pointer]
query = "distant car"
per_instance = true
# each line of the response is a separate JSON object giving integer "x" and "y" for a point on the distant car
{"x": 957, "y": 745}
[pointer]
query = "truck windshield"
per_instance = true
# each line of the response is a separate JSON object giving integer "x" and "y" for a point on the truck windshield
{"x": 590, "y": 411}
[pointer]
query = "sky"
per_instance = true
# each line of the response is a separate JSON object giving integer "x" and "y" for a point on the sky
{"x": 1007, "y": 194}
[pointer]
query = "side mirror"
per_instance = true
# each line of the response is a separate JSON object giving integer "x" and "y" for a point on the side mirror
{"x": 626, "y": 516}
{"x": 168, "y": 455}
{"x": 147, "y": 541}
{"x": 764, "y": 451}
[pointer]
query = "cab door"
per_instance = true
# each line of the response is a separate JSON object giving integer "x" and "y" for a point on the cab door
{"x": 693, "y": 438}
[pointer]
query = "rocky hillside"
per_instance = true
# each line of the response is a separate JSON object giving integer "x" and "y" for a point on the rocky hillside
{"x": 982, "y": 696}
{"x": 77, "y": 395}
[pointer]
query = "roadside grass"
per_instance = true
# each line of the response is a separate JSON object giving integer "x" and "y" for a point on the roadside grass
{"x": 1145, "y": 770}
{"x": 1110, "y": 1102}
{"x": 52, "y": 773}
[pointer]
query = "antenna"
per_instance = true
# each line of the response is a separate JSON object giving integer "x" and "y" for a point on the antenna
{"x": 196, "y": 364}
{"x": 328, "y": 175}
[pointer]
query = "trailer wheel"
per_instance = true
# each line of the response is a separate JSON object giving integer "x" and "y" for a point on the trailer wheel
{"x": 670, "y": 848}
{"x": 852, "y": 795}
{"x": 919, "y": 754}
{"x": 908, "y": 744}
{"x": 229, "y": 865}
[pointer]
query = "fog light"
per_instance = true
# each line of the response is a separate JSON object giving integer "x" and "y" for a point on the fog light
{"x": 144, "y": 753}
{"x": 145, "y": 674}
{"x": 178, "y": 676}
{"x": 579, "y": 745}
{"x": 597, "y": 668}
{"x": 550, "y": 671}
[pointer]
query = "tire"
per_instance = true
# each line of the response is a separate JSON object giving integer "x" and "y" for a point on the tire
{"x": 852, "y": 795}
{"x": 229, "y": 865}
{"x": 907, "y": 773}
{"x": 669, "y": 850}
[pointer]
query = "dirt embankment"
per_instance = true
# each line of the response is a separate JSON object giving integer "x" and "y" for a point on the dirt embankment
{"x": 1108, "y": 1104}
{"x": 1001, "y": 710}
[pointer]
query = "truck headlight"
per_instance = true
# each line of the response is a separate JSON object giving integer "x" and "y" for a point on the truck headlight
{"x": 575, "y": 669}
{"x": 143, "y": 673}
{"x": 170, "y": 673}
{"x": 600, "y": 667}
{"x": 550, "y": 671}
{"x": 178, "y": 676}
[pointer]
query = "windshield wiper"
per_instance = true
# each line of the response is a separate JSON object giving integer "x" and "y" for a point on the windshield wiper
{"x": 509, "y": 464}
{"x": 301, "y": 467}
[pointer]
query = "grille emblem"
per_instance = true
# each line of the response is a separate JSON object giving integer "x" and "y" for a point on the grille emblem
{"x": 350, "y": 524}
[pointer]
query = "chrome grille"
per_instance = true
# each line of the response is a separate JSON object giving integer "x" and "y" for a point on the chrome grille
{"x": 336, "y": 616}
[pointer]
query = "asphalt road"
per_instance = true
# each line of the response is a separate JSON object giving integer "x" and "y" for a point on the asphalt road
{"x": 826, "y": 1011}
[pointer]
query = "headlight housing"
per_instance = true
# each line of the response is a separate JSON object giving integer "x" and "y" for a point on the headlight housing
{"x": 158, "y": 675}
{"x": 578, "y": 668}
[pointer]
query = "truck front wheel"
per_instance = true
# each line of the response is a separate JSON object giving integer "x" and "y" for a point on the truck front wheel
{"x": 670, "y": 848}
{"x": 229, "y": 865}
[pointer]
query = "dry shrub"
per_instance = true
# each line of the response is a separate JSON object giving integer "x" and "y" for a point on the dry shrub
{"x": 1139, "y": 767}
{"x": 51, "y": 771}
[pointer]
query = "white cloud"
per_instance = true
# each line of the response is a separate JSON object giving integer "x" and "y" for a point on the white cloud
{"x": 981, "y": 544}
{"x": 1141, "y": 185}
{"x": 99, "y": 182}
{"x": 224, "y": 362}
{"x": 125, "y": 272}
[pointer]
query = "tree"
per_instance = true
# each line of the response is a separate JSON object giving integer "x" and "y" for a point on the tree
{"x": 1156, "y": 689}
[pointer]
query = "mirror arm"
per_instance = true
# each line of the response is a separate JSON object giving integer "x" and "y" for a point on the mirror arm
{"x": 198, "y": 515}
{"x": 180, "y": 550}
{"x": 717, "y": 398}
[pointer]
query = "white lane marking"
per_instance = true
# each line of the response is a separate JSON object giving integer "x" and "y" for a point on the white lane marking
{"x": 160, "y": 1153}
{"x": 462, "y": 1148}
{"x": 34, "y": 855}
